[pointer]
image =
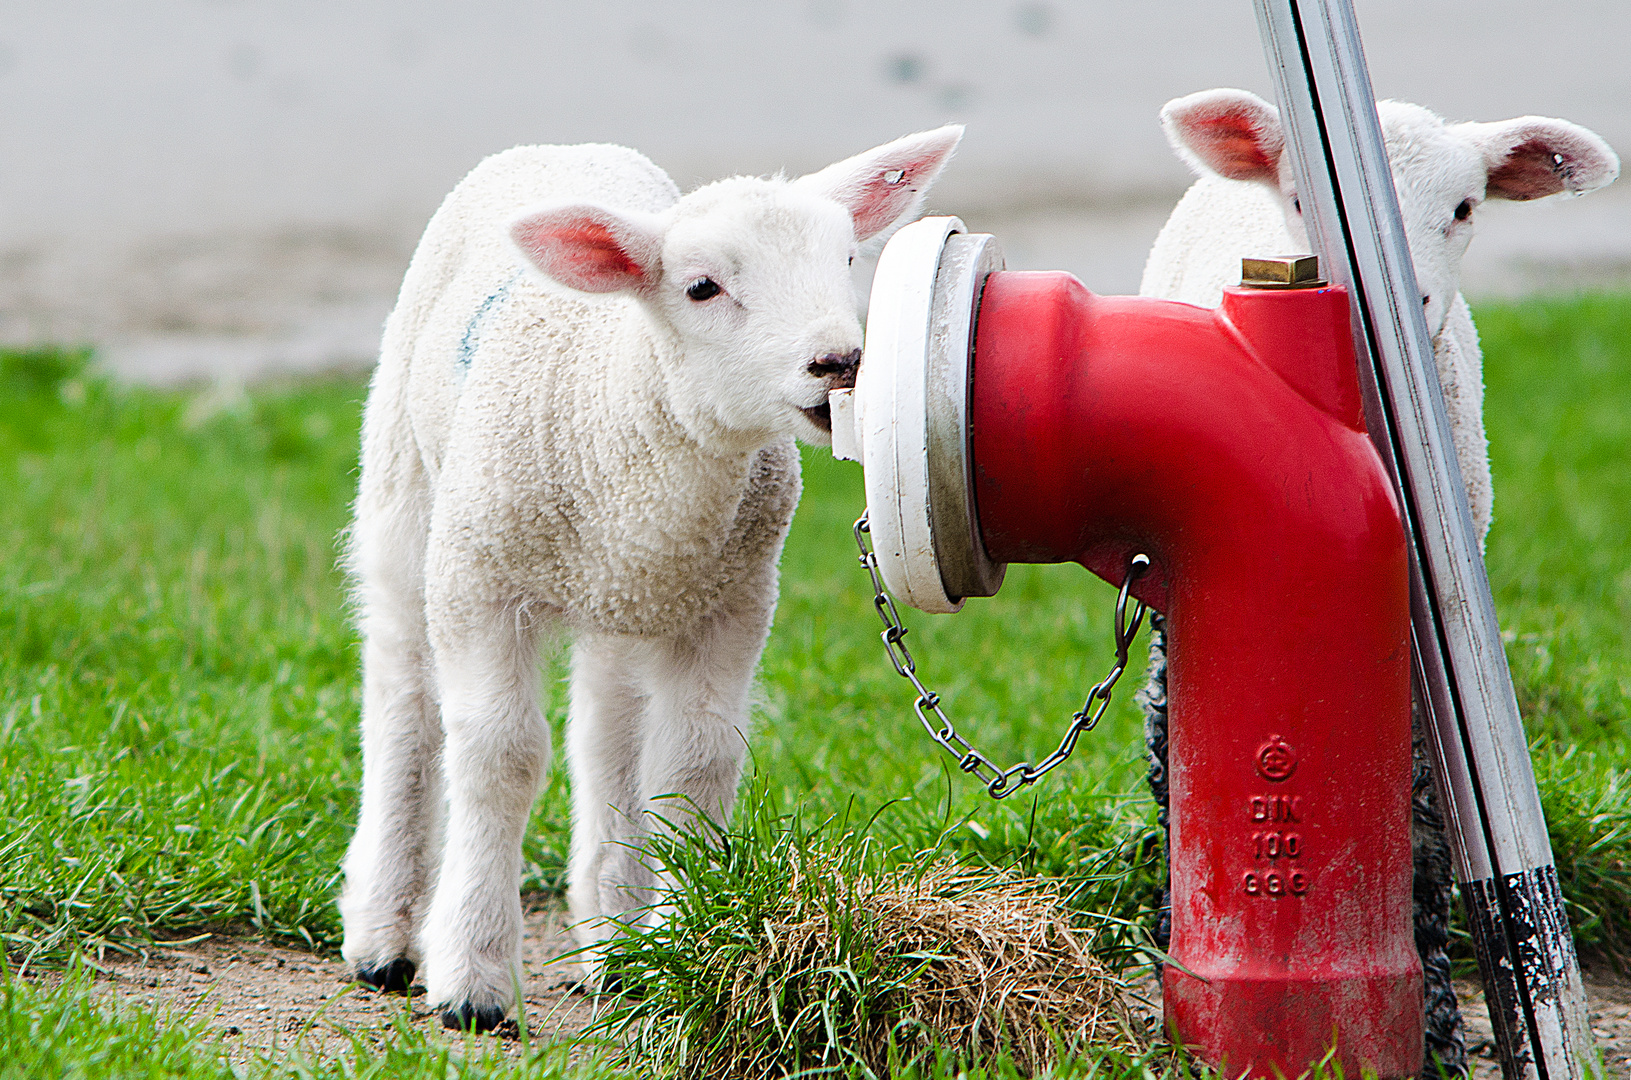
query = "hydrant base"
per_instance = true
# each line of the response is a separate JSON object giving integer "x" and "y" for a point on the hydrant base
{"x": 1380, "y": 1011}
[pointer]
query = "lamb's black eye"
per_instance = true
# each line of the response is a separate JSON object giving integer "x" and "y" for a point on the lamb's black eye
{"x": 1296, "y": 204}
{"x": 704, "y": 288}
{"x": 1464, "y": 210}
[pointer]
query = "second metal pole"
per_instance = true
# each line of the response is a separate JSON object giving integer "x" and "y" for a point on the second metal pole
{"x": 1504, "y": 858}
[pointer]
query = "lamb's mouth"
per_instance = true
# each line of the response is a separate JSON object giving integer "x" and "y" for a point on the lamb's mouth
{"x": 820, "y": 416}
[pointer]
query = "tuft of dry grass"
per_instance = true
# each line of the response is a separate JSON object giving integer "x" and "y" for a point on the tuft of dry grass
{"x": 786, "y": 952}
{"x": 998, "y": 966}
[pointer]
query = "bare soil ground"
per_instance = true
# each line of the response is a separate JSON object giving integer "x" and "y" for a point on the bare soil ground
{"x": 267, "y": 999}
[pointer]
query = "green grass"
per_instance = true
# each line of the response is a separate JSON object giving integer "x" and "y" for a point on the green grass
{"x": 1559, "y": 382}
{"x": 178, "y": 685}
{"x": 1558, "y": 378}
{"x": 177, "y": 693}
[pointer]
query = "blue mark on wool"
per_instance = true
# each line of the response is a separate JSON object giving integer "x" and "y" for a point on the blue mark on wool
{"x": 472, "y": 331}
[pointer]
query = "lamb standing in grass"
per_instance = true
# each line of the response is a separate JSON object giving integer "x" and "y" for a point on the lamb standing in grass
{"x": 1244, "y": 204}
{"x": 583, "y": 418}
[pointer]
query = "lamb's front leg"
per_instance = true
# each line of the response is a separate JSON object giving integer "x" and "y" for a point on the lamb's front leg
{"x": 496, "y": 751}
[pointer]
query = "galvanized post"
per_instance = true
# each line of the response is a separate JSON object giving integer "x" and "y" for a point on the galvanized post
{"x": 1503, "y": 854}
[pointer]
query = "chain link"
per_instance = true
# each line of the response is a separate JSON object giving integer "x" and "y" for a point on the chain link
{"x": 999, "y": 783}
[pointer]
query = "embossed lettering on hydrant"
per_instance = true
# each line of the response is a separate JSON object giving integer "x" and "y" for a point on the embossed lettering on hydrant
{"x": 1273, "y": 845}
{"x": 1281, "y": 808}
{"x": 1275, "y": 884}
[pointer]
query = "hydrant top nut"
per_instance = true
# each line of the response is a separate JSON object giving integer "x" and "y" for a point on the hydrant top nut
{"x": 1282, "y": 272}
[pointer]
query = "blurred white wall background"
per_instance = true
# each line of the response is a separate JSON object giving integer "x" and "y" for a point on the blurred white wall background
{"x": 202, "y": 186}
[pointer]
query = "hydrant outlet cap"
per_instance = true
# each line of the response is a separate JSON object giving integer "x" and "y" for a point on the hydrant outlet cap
{"x": 911, "y": 414}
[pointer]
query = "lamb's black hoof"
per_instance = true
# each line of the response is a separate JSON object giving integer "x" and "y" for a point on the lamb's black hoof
{"x": 393, "y": 978}
{"x": 467, "y": 1017}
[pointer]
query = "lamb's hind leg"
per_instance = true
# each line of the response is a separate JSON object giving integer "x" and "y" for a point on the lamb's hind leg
{"x": 694, "y": 738}
{"x": 603, "y": 751}
{"x": 391, "y": 859}
{"x": 497, "y": 748}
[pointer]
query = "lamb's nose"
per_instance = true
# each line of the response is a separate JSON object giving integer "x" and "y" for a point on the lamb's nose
{"x": 842, "y": 367}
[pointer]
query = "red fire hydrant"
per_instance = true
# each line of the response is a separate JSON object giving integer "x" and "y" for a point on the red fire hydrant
{"x": 1228, "y": 445}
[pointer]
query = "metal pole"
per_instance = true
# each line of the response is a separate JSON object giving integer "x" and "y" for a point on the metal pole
{"x": 1503, "y": 854}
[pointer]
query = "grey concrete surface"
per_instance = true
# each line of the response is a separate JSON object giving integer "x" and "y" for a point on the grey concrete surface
{"x": 230, "y": 188}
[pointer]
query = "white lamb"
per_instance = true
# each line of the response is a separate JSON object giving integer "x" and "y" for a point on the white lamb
{"x": 583, "y": 418}
{"x": 1245, "y": 203}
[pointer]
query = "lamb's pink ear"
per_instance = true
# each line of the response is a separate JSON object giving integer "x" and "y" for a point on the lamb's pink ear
{"x": 1535, "y": 156}
{"x": 886, "y": 185}
{"x": 591, "y": 248}
{"x": 1233, "y": 133}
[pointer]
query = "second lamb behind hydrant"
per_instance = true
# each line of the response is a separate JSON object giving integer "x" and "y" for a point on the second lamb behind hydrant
{"x": 583, "y": 419}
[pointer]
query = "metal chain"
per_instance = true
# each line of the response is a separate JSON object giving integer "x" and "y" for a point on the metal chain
{"x": 999, "y": 783}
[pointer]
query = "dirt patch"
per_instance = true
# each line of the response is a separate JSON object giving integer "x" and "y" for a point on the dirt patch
{"x": 266, "y": 999}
